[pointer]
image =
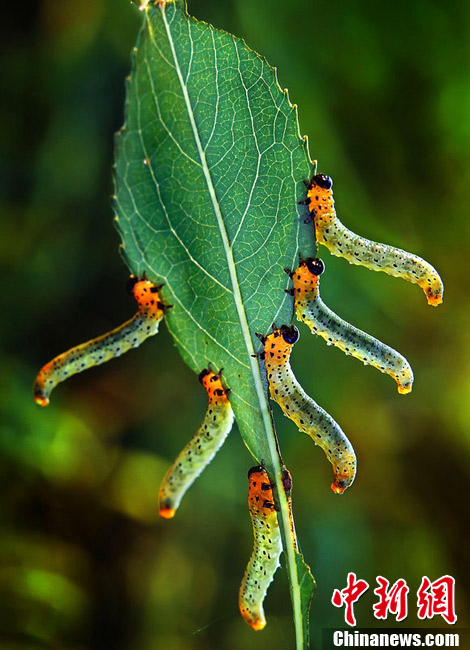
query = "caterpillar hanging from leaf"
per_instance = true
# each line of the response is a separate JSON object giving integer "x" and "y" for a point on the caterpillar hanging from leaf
{"x": 130, "y": 335}
{"x": 321, "y": 320}
{"x": 267, "y": 548}
{"x": 342, "y": 242}
{"x": 301, "y": 409}
{"x": 200, "y": 451}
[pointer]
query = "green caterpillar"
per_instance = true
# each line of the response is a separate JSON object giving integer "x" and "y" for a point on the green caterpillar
{"x": 199, "y": 452}
{"x": 267, "y": 548}
{"x": 311, "y": 310}
{"x": 97, "y": 351}
{"x": 342, "y": 242}
{"x": 301, "y": 409}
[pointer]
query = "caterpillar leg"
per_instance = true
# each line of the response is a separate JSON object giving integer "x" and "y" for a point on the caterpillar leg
{"x": 97, "y": 351}
{"x": 267, "y": 548}
{"x": 311, "y": 310}
{"x": 357, "y": 250}
{"x": 301, "y": 409}
{"x": 200, "y": 451}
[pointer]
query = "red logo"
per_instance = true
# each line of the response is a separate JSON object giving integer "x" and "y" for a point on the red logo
{"x": 348, "y": 596}
{"x": 437, "y": 598}
{"x": 393, "y": 600}
{"x": 434, "y": 598}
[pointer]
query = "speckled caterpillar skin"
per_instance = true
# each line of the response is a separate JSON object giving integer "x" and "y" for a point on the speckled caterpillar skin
{"x": 200, "y": 451}
{"x": 357, "y": 250}
{"x": 97, "y": 351}
{"x": 301, "y": 409}
{"x": 267, "y": 547}
{"x": 311, "y": 310}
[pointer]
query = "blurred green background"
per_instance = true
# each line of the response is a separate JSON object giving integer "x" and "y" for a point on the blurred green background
{"x": 383, "y": 94}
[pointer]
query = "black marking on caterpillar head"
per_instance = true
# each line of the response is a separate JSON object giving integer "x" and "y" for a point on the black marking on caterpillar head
{"x": 267, "y": 503}
{"x": 254, "y": 470}
{"x": 322, "y": 180}
{"x": 315, "y": 265}
{"x": 290, "y": 334}
{"x": 204, "y": 373}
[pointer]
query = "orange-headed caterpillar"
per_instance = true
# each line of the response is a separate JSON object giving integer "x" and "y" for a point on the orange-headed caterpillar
{"x": 199, "y": 451}
{"x": 311, "y": 310}
{"x": 301, "y": 409}
{"x": 357, "y": 250}
{"x": 267, "y": 547}
{"x": 97, "y": 351}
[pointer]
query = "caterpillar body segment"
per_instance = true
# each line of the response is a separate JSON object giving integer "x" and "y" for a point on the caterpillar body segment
{"x": 130, "y": 335}
{"x": 342, "y": 242}
{"x": 201, "y": 449}
{"x": 301, "y": 409}
{"x": 267, "y": 548}
{"x": 321, "y": 320}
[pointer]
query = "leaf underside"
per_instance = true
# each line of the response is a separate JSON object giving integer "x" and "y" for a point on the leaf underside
{"x": 209, "y": 169}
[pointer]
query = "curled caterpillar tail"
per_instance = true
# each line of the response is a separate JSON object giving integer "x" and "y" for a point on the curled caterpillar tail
{"x": 97, "y": 351}
{"x": 311, "y": 309}
{"x": 267, "y": 547}
{"x": 199, "y": 451}
{"x": 301, "y": 409}
{"x": 357, "y": 250}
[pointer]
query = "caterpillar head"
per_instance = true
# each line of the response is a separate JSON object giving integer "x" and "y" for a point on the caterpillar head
{"x": 307, "y": 276}
{"x": 213, "y": 384}
{"x": 278, "y": 344}
{"x": 320, "y": 195}
{"x": 289, "y": 333}
{"x": 147, "y": 296}
{"x": 260, "y": 495}
{"x": 315, "y": 265}
{"x": 322, "y": 181}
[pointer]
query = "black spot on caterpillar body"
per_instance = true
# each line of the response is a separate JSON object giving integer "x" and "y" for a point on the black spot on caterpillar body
{"x": 267, "y": 548}
{"x": 130, "y": 335}
{"x": 321, "y": 320}
{"x": 201, "y": 449}
{"x": 342, "y": 242}
{"x": 301, "y": 409}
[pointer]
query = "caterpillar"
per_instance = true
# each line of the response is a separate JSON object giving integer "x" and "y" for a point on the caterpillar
{"x": 321, "y": 320}
{"x": 301, "y": 409}
{"x": 103, "y": 348}
{"x": 267, "y": 548}
{"x": 199, "y": 451}
{"x": 357, "y": 250}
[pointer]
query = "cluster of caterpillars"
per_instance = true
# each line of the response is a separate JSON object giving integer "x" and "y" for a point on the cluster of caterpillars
{"x": 284, "y": 388}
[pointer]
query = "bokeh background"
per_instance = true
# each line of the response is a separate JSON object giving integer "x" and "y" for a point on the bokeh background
{"x": 86, "y": 564}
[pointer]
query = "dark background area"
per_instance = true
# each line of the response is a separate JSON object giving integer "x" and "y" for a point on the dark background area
{"x": 383, "y": 94}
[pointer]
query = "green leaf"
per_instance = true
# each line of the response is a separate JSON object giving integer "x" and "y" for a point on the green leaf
{"x": 209, "y": 170}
